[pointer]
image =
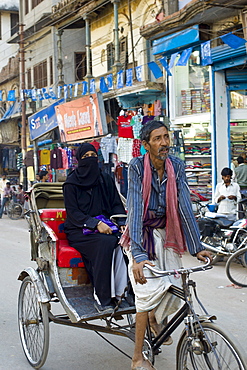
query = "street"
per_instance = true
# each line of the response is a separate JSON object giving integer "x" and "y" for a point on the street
{"x": 74, "y": 349}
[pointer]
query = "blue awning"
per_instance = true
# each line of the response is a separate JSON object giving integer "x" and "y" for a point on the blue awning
{"x": 13, "y": 109}
{"x": 177, "y": 41}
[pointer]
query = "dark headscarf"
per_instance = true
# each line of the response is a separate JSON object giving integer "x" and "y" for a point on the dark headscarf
{"x": 87, "y": 173}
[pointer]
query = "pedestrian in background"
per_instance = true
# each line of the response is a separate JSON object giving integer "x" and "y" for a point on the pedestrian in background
{"x": 7, "y": 194}
{"x": 241, "y": 175}
{"x": 3, "y": 182}
{"x": 43, "y": 175}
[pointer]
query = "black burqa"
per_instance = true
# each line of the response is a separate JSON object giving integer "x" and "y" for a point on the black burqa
{"x": 89, "y": 193}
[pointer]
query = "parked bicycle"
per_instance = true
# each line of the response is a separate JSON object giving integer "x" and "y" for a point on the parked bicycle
{"x": 236, "y": 268}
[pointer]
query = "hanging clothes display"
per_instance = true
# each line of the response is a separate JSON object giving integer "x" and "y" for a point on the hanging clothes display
{"x": 108, "y": 145}
{"x": 124, "y": 126}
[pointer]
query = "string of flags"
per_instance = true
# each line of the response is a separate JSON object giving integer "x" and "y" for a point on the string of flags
{"x": 124, "y": 77}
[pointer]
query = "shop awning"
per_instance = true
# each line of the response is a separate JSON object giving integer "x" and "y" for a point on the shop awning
{"x": 176, "y": 41}
{"x": 13, "y": 109}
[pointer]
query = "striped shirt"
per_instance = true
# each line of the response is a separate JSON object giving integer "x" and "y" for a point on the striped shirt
{"x": 157, "y": 204}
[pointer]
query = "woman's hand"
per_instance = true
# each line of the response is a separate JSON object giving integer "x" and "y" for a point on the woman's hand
{"x": 103, "y": 228}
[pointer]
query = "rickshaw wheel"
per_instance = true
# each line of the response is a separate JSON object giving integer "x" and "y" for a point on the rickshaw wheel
{"x": 33, "y": 324}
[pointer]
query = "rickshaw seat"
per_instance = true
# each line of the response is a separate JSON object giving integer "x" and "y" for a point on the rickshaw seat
{"x": 66, "y": 256}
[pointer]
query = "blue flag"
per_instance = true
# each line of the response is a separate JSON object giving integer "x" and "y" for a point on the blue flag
{"x": 45, "y": 93}
{"x": 110, "y": 81}
{"x": 34, "y": 94}
{"x": 155, "y": 69}
{"x": 120, "y": 80}
{"x": 172, "y": 60}
{"x": 65, "y": 91}
{"x": 163, "y": 61}
{"x": 232, "y": 40}
{"x": 76, "y": 89}
{"x": 59, "y": 90}
{"x": 206, "y": 57}
{"x": 184, "y": 57}
{"x": 11, "y": 95}
{"x": 129, "y": 77}
{"x": 52, "y": 94}
{"x": 39, "y": 94}
{"x": 1, "y": 95}
{"x": 138, "y": 70}
{"x": 84, "y": 87}
{"x": 92, "y": 86}
{"x": 102, "y": 85}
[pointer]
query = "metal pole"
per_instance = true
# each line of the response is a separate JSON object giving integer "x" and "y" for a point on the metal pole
{"x": 60, "y": 60}
{"x": 116, "y": 35}
{"x": 88, "y": 46}
{"x": 23, "y": 103}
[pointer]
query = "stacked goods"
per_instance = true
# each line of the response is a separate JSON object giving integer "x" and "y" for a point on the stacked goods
{"x": 186, "y": 101}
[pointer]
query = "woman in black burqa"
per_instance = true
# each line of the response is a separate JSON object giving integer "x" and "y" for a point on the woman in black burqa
{"x": 88, "y": 193}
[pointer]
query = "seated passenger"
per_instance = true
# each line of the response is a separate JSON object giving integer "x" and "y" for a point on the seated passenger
{"x": 89, "y": 193}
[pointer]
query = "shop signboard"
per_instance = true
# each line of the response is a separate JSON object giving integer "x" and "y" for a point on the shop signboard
{"x": 43, "y": 121}
{"x": 82, "y": 118}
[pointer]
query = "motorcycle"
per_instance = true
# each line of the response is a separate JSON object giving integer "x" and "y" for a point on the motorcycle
{"x": 221, "y": 236}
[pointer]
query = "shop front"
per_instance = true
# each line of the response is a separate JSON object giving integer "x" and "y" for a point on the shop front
{"x": 230, "y": 97}
{"x": 189, "y": 103}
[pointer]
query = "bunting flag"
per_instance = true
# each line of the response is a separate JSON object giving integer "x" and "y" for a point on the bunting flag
{"x": 129, "y": 77}
{"x": 92, "y": 87}
{"x": 39, "y": 94}
{"x": 110, "y": 81}
{"x": 34, "y": 94}
{"x": 120, "y": 83}
{"x": 22, "y": 94}
{"x": 102, "y": 85}
{"x": 184, "y": 57}
{"x": 206, "y": 57}
{"x": 163, "y": 61}
{"x": 172, "y": 60}
{"x": 52, "y": 94}
{"x": 84, "y": 87}
{"x": 11, "y": 95}
{"x": 59, "y": 91}
{"x": 76, "y": 89}
{"x": 1, "y": 95}
{"x": 232, "y": 40}
{"x": 45, "y": 94}
{"x": 138, "y": 70}
{"x": 155, "y": 69}
{"x": 65, "y": 92}
{"x": 70, "y": 90}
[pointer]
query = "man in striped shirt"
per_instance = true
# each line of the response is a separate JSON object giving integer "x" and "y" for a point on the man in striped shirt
{"x": 146, "y": 216}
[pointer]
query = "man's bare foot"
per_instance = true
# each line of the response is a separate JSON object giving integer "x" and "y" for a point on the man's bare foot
{"x": 142, "y": 365}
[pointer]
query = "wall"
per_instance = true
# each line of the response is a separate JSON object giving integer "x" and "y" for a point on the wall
{"x": 7, "y": 50}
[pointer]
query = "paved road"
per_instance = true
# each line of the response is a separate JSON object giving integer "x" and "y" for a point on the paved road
{"x": 74, "y": 349}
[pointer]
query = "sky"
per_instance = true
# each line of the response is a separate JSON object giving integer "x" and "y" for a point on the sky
{"x": 9, "y": 3}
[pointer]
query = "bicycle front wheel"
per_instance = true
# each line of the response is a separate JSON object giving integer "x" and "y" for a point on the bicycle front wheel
{"x": 236, "y": 267}
{"x": 15, "y": 211}
{"x": 209, "y": 348}
{"x": 33, "y": 324}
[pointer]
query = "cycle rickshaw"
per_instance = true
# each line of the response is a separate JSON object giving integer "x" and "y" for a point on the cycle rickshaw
{"x": 61, "y": 277}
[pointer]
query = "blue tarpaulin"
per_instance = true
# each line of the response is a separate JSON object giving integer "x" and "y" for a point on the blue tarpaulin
{"x": 13, "y": 109}
{"x": 177, "y": 41}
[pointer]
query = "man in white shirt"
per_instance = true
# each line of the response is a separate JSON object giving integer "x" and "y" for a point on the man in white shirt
{"x": 227, "y": 195}
{"x": 3, "y": 182}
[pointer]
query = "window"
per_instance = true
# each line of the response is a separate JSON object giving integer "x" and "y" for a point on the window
{"x": 51, "y": 71}
{"x": 80, "y": 66}
{"x": 124, "y": 52}
{"x": 35, "y": 3}
{"x": 29, "y": 79}
{"x": 110, "y": 55}
{"x": 40, "y": 75}
{"x": 26, "y": 6}
{"x": 14, "y": 23}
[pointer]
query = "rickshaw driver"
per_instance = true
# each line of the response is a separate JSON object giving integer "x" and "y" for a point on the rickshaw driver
{"x": 160, "y": 219}
{"x": 88, "y": 193}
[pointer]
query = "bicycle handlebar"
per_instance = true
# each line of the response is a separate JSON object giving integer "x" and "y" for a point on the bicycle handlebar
{"x": 188, "y": 270}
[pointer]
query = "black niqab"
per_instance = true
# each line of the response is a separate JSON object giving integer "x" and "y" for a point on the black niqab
{"x": 87, "y": 174}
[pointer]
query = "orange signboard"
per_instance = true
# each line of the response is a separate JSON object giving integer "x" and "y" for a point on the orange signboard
{"x": 81, "y": 118}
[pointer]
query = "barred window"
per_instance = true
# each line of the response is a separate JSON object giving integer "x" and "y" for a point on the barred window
{"x": 40, "y": 75}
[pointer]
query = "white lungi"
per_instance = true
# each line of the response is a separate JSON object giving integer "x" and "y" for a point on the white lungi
{"x": 154, "y": 293}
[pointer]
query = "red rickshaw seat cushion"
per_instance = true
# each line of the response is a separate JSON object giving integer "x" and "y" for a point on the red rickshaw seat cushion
{"x": 66, "y": 256}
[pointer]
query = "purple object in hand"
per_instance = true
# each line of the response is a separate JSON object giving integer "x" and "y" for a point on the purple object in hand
{"x": 106, "y": 221}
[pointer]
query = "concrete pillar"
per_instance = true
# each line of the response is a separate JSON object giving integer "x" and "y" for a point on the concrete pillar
{"x": 221, "y": 123}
